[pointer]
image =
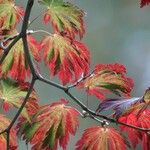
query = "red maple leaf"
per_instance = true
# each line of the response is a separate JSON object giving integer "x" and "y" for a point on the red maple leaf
{"x": 143, "y": 121}
{"x": 15, "y": 64}
{"x": 108, "y": 78}
{"x": 96, "y": 138}
{"x": 67, "y": 58}
{"x": 50, "y": 126}
{"x": 144, "y": 3}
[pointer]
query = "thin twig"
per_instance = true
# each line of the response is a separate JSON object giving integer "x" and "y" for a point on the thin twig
{"x": 40, "y": 78}
{"x": 30, "y": 23}
{"x": 43, "y": 31}
{"x": 80, "y": 80}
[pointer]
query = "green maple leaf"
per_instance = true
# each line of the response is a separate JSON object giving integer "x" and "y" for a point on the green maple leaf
{"x": 10, "y": 14}
{"x": 64, "y": 16}
{"x": 12, "y": 95}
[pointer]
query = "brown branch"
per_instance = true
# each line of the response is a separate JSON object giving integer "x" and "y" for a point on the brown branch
{"x": 91, "y": 112}
{"x": 103, "y": 116}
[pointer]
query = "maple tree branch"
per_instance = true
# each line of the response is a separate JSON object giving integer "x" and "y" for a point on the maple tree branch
{"x": 26, "y": 17}
{"x": 22, "y": 35}
{"x": 59, "y": 86}
{"x": 84, "y": 107}
{"x": 103, "y": 116}
{"x": 8, "y": 138}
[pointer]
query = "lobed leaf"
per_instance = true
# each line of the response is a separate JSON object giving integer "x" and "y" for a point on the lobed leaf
{"x": 10, "y": 15}
{"x": 12, "y": 95}
{"x": 136, "y": 136}
{"x": 64, "y": 16}
{"x": 100, "y": 138}
{"x": 15, "y": 64}
{"x": 4, "y": 123}
{"x": 52, "y": 124}
{"x": 108, "y": 78}
{"x": 65, "y": 57}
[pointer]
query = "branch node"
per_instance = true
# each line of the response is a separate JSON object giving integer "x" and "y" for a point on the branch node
{"x": 85, "y": 114}
{"x": 105, "y": 123}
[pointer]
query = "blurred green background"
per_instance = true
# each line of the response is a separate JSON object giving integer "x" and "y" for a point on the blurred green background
{"x": 116, "y": 31}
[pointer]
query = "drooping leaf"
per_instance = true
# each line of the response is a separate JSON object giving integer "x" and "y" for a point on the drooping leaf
{"x": 10, "y": 15}
{"x": 120, "y": 106}
{"x": 108, "y": 78}
{"x": 144, "y": 3}
{"x": 126, "y": 105}
{"x": 4, "y": 123}
{"x": 12, "y": 95}
{"x": 64, "y": 16}
{"x": 99, "y": 138}
{"x": 142, "y": 121}
{"x": 51, "y": 125}
{"x": 15, "y": 64}
{"x": 69, "y": 59}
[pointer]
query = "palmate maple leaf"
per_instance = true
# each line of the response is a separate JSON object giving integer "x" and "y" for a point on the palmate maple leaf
{"x": 143, "y": 121}
{"x": 4, "y": 123}
{"x": 64, "y": 16}
{"x": 100, "y": 138}
{"x": 15, "y": 64}
{"x": 12, "y": 94}
{"x": 108, "y": 78}
{"x": 144, "y": 3}
{"x": 50, "y": 126}
{"x": 10, "y": 15}
{"x": 67, "y": 58}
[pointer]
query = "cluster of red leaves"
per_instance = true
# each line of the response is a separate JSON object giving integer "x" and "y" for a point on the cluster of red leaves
{"x": 4, "y": 123}
{"x": 143, "y": 121}
{"x": 96, "y": 138}
{"x": 108, "y": 78}
{"x": 144, "y": 3}
{"x": 50, "y": 125}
